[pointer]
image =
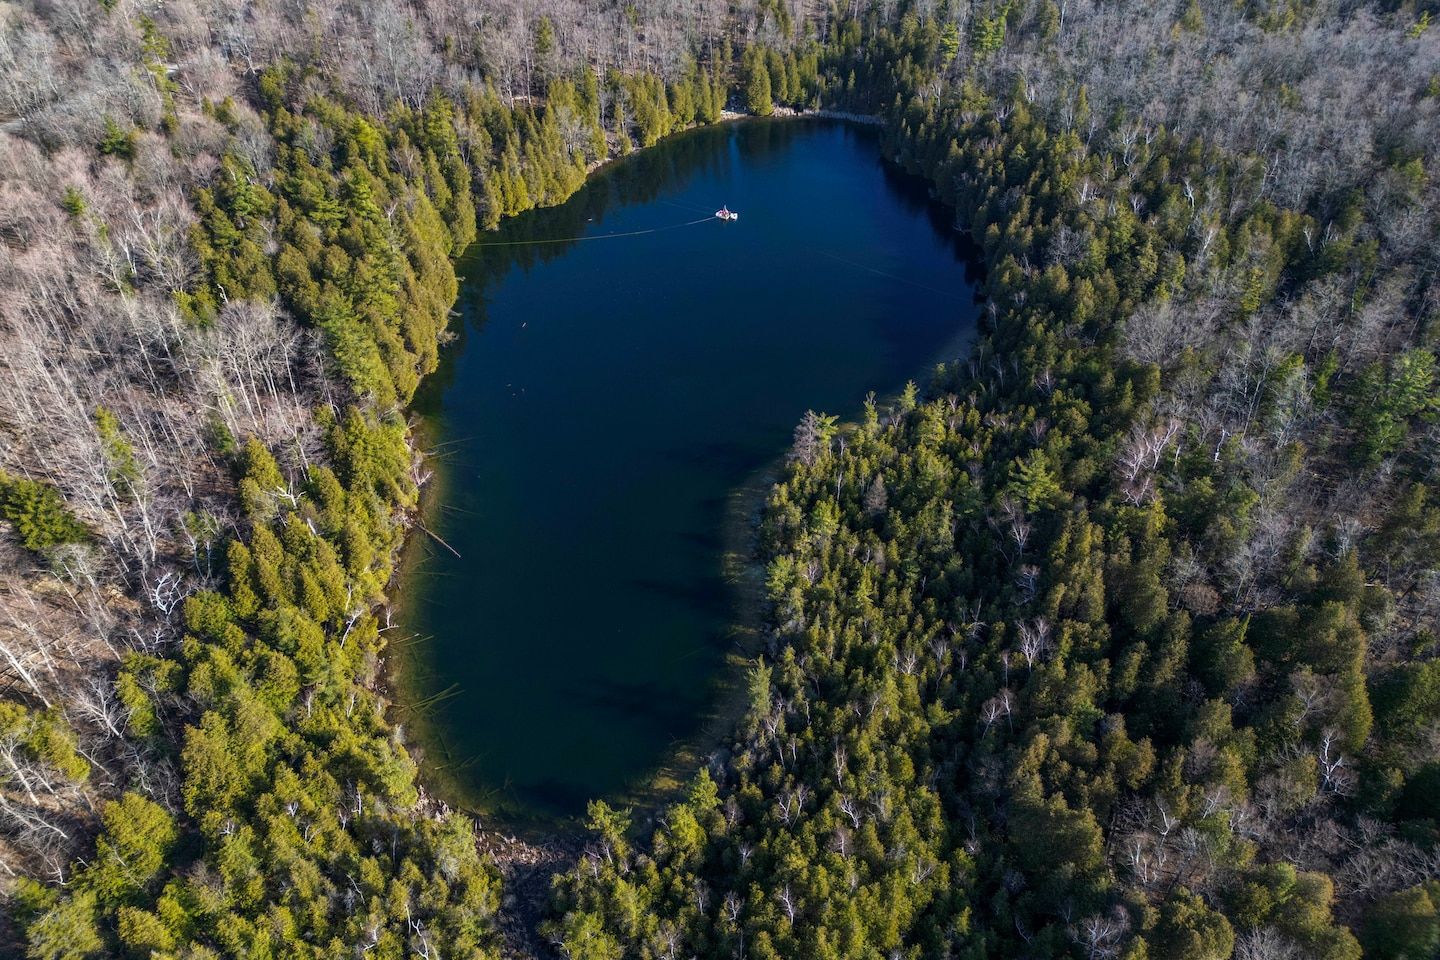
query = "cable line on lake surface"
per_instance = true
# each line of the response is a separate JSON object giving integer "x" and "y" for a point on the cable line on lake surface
{"x": 892, "y": 276}
{"x": 603, "y": 236}
{"x": 683, "y": 206}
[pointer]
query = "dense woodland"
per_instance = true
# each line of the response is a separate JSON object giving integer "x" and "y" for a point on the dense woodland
{"x": 1116, "y": 640}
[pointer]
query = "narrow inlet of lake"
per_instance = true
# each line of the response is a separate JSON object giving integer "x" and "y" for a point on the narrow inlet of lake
{"x": 602, "y": 403}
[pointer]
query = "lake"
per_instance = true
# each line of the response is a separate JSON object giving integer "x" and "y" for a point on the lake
{"x": 624, "y": 364}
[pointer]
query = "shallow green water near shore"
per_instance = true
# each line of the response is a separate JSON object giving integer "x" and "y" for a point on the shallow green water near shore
{"x": 603, "y": 401}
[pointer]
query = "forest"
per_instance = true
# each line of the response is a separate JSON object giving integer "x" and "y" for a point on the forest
{"x": 1116, "y": 639}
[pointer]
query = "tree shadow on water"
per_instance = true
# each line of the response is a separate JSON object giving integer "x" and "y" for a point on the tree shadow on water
{"x": 702, "y": 596}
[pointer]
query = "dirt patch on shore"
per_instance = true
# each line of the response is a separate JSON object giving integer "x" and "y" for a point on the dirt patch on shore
{"x": 527, "y": 870}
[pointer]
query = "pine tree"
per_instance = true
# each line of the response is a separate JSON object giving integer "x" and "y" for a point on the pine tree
{"x": 757, "y": 84}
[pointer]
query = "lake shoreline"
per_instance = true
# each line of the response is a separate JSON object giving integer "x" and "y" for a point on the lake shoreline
{"x": 440, "y": 789}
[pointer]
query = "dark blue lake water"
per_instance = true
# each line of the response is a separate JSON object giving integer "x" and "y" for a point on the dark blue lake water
{"x": 604, "y": 401}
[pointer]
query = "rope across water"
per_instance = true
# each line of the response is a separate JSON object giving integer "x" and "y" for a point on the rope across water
{"x": 603, "y": 236}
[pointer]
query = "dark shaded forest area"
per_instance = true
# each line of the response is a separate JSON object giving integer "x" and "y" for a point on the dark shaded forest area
{"x": 1116, "y": 640}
